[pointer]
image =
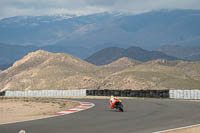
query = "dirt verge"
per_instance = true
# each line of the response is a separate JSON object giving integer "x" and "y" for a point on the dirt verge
{"x": 21, "y": 109}
{"x": 195, "y": 129}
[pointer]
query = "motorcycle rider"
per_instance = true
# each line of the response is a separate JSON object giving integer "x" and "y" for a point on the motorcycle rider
{"x": 113, "y": 101}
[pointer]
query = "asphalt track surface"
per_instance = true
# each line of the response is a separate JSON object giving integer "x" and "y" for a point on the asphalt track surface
{"x": 140, "y": 116}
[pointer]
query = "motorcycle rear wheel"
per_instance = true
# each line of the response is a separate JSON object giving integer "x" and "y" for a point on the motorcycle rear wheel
{"x": 121, "y": 109}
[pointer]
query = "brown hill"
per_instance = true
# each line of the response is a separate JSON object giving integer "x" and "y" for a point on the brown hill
{"x": 44, "y": 70}
{"x": 190, "y": 68}
{"x": 157, "y": 74}
{"x": 116, "y": 66}
{"x": 123, "y": 62}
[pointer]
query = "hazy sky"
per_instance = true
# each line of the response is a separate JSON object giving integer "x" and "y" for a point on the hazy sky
{"x": 82, "y": 7}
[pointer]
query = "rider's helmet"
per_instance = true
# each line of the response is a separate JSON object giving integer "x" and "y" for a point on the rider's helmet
{"x": 111, "y": 96}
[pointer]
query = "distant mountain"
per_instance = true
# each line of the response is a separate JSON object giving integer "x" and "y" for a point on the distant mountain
{"x": 12, "y": 53}
{"x": 183, "y": 52}
{"x": 5, "y": 66}
{"x": 84, "y": 35}
{"x": 195, "y": 57}
{"x": 108, "y": 55}
{"x": 78, "y": 51}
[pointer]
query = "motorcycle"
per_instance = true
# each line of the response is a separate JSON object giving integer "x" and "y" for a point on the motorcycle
{"x": 119, "y": 106}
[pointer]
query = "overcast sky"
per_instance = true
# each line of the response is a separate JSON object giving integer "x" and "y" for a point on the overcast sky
{"x": 10, "y": 8}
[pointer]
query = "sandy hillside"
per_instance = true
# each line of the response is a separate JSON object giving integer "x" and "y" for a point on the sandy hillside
{"x": 43, "y": 70}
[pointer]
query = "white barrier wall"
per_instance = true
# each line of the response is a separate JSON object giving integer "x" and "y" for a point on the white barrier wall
{"x": 173, "y": 94}
{"x": 184, "y": 94}
{"x": 46, "y": 93}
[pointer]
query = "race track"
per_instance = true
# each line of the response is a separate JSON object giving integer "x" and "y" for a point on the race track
{"x": 140, "y": 116}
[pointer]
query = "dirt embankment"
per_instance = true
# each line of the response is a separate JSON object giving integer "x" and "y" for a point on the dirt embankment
{"x": 13, "y": 110}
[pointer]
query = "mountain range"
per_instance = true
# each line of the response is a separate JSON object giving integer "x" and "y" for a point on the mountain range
{"x": 43, "y": 70}
{"x": 82, "y": 36}
{"x": 111, "y": 54}
{"x": 11, "y": 53}
{"x": 191, "y": 53}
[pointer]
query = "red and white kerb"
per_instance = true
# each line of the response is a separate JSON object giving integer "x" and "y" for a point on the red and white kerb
{"x": 82, "y": 106}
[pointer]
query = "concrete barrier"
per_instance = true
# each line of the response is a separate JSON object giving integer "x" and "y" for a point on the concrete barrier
{"x": 2, "y": 93}
{"x": 173, "y": 94}
{"x": 130, "y": 93}
{"x": 185, "y": 94}
{"x": 45, "y": 93}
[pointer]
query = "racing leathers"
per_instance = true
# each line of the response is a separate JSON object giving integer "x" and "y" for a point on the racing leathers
{"x": 113, "y": 101}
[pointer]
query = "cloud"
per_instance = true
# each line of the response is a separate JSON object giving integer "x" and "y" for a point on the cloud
{"x": 83, "y": 7}
{"x": 143, "y": 5}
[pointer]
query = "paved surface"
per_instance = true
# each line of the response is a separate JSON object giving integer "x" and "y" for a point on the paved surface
{"x": 140, "y": 116}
